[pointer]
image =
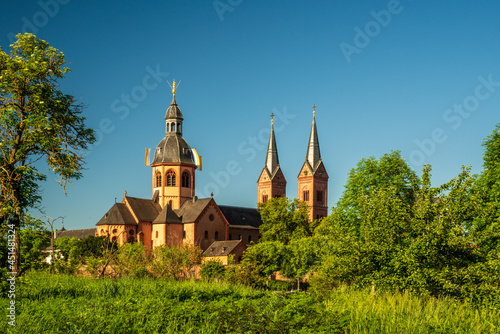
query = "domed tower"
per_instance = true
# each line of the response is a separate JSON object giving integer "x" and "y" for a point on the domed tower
{"x": 173, "y": 163}
{"x": 313, "y": 178}
{"x": 272, "y": 182}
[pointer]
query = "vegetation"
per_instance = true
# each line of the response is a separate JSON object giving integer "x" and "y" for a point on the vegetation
{"x": 62, "y": 303}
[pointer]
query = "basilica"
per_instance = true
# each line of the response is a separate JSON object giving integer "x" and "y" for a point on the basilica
{"x": 175, "y": 216}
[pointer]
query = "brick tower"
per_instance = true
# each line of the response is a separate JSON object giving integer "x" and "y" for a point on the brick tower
{"x": 313, "y": 178}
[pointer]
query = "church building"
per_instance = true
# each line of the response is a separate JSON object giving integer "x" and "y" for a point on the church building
{"x": 175, "y": 216}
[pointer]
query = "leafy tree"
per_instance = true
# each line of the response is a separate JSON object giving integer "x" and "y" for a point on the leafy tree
{"x": 300, "y": 257}
{"x": 175, "y": 262}
{"x": 37, "y": 121}
{"x": 284, "y": 219}
{"x": 418, "y": 245}
{"x": 486, "y": 228}
{"x": 261, "y": 261}
{"x": 369, "y": 176}
{"x": 212, "y": 269}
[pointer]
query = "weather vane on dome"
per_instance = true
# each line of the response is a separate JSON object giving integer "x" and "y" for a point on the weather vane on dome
{"x": 173, "y": 86}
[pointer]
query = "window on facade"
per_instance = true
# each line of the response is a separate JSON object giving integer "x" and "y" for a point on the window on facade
{"x": 206, "y": 235}
{"x": 168, "y": 127}
{"x": 179, "y": 127}
{"x": 158, "y": 180}
{"x": 185, "y": 180}
{"x": 277, "y": 196}
{"x": 264, "y": 198}
{"x": 183, "y": 234}
{"x": 216, "y": 235}
{"x": 113, "y": 239}
{"x": 171, "y": 178}
{"x": 102, "y": 231}
{"x": 305, "y": 195}
{"x": 211, "y": 217}
{"x": 170, "y": 203}
{"x": 115, "y": 231}
{"x": 249, "y": 238}
{"x": 131, "y": 232}
{"x": 319, "y": 196}
{"x": 239, "y": 237}
{"x": 173, "y": 127}
{"x": 156, "y": 234}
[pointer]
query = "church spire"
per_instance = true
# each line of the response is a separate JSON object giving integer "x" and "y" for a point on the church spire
{"x": 272, "y": 161}
{"x": 313, "y": 155}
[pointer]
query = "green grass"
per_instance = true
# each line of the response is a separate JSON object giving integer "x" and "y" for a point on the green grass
{"x": 67, "y": 304}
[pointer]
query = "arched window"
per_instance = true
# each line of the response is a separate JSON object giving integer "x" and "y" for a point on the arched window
{"x": 173, "y": 127}
{"x": 171, "y": 178}
{"x": 170, "y": 203}
{"x": 183, "y": 234}
{"x": 239, "y": 237}
{"x": 216, "y": 235}
{"x": 185, "y": 180}
{"x": 158, "y": 180}
{"x": 206, "y": 235}
{"x": 156, "y": 234}
{"x": 305, "y": 195}
{"x": 264, "y": 198}
{"x": 179, "y": 127}
{"x": 168, "y": 127}
{"x": 249, "y": 238}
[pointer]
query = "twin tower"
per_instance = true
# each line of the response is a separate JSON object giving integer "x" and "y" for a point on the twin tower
{"x": 312, "y": 179}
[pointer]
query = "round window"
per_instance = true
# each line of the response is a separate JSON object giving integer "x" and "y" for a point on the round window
{"x": 131, "y": 232}
{"x": 115, "y": 231}
{"x": 211, "y": 217}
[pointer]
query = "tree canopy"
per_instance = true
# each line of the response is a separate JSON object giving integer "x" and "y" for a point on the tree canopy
{"x": 37, "y": 122}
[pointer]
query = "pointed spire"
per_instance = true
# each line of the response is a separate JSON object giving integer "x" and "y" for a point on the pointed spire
{"x": 272, "y": 160}
{"x": 313, "y": 155}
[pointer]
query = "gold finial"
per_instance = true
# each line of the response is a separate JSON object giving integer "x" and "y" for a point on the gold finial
{"x": 314, "y": 109}
{"x": 173, "y": 87}
{"x": 272, "y": 118}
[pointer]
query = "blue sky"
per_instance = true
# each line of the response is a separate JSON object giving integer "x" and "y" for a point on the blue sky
{"x": 418, "y": 76}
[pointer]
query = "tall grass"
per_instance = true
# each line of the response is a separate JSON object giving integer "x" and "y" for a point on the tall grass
{"x": 67, "y": 304}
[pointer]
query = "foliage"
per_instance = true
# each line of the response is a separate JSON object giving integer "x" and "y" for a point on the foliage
{"x": 61, "y": 303}
{"x": 284, "y": 219}
{"x": 175, "y": 262}
{"x": 212, "y": 269}
{"x": 418, "y": 247}
{"x": 364, "y": 181}
{"x": 131, "y": 260}
{"x": 486, "y": 227}
{"x": 37, "y": 120}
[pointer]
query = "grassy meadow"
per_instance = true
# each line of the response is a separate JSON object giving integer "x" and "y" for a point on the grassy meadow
{"x": 48, "y": 303}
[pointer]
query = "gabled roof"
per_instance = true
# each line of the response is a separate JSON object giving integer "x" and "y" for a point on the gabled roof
{"x": 167, "y": 216}
{"x": 241, "y": 217}
{"x": 222, "y": 248}
{"x": 117, "y": 215}
{"x": 191, "y": 210}
{"x": 79, "y": 234}
{"x": 144, "y": 209}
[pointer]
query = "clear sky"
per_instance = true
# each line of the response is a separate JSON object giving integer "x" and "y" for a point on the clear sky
{"x": 418, "y": 76}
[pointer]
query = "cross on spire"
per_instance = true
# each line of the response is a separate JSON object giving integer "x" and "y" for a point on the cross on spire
{"x": 272, "y": 118}
{"x": 314, "y": 109}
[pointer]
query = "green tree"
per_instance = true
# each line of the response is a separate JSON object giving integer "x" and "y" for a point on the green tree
{"x": 418, "y": 245}
{"x": 284, "y": 219}
{"x": 37, "y": 120}
{"x": 486, "y": 228}
{"x": 369, "y": 176}
{"x": 261, "y": 261}
{"x": 212, "y": 269}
